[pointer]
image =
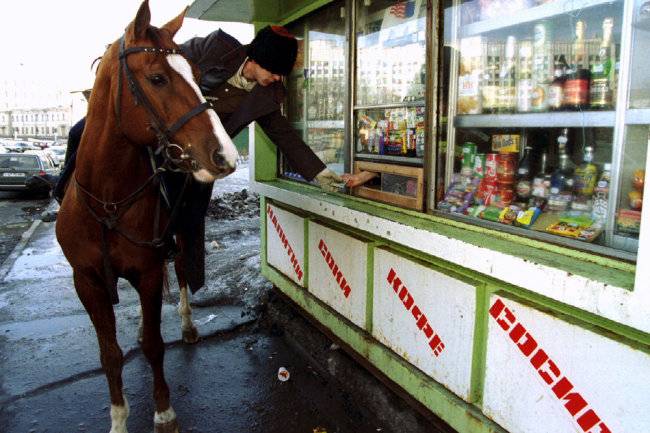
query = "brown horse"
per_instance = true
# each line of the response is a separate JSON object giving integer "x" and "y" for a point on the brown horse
{"x": 146, "y": 116}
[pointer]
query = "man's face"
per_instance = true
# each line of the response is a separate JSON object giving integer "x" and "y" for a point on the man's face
{"x": 263, "y": 76}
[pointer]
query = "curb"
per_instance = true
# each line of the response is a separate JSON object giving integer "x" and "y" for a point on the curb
{"x": 20, "y": 246}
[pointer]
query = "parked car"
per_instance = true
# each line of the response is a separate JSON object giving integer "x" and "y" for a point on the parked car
{"x": 17, "y": 171}
{"x": 58, "y": 154}
{"x": 20, "y": 146}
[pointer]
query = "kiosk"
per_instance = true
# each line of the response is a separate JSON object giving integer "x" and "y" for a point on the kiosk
{"x": 497, "y": 267}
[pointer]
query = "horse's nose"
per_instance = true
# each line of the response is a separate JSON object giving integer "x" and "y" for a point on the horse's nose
{"x": 220, "y": 161}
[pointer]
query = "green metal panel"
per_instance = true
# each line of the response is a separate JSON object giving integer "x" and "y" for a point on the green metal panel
{"x": 252, "y": 11}
{"x": 461, "y": 416}
{"x": 245, "y": 11}
{"x": 266, "y": 156}
{"x": 241, "y": 142}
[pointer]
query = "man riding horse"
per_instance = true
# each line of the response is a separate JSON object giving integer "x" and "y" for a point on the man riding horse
{"x": 243, "y": 84}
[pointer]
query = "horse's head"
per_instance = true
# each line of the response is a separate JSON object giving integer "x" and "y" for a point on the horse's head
{"x": 157, "y": 87}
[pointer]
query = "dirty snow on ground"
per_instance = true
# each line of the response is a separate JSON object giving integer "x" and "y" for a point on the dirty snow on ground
{"x": 236, "y": 241}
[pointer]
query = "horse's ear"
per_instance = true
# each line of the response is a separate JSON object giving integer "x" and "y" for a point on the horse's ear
{"x": 138, "y": 28}
{"x": 174, "y": 25}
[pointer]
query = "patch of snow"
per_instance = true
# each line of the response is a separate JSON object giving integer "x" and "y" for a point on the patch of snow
{"x": 235, "y": 182}
{"x": 40, "y": 264}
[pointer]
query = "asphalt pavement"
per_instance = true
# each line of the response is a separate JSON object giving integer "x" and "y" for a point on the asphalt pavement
{"x": 51, "y": 380}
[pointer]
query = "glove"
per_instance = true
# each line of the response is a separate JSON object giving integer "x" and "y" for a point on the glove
{"x": 329, "y": 181}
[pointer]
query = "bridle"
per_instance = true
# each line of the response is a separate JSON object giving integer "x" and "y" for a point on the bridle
{"x": 163, "y": 133}
{"x": 185, "y": 163}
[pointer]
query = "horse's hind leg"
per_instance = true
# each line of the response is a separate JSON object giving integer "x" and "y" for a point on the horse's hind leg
{"x": 150, "y": 289}
{"x": 98, "y": 305}
{"x": 189, "y": 331}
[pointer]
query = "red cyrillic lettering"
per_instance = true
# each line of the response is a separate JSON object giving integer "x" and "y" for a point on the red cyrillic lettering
{"x": 538, "y": 358}
{"x": 417, "y": 314}
{"x": 391, "y": 276}
{"x": 587, "y": 420}
{"x": 562, "y": 387}
{"x": 436, "y": 345}
{"x": 552, "y": 368}
{"x": 574, "y": 403}
{"x": 505, "y": 325}
{"x": 517, "y": 332}
{"x": 602, "y": 428}
{"x": 496, "y": 308}
{"x": 421, "y": 321}
{"x": 527, "y": 346}
{"x": 427, "y": 329}
{"x": 406, "y": 298}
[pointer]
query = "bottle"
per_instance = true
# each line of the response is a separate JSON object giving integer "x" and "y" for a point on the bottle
{"x": 507, "y": 93}
{"x": 562, "y": 177}
{"x": 556, "y": 88}
{"x": 523, "y": 185}
{"x": 602, "y": 71}
{"x": 469, "y": 76}
{"x": 576, "y": 87}
{"x": 585, "y": 175}
{"x": 490, "y": 85}
{"x": 542, "y": 180}
{"x": 525, "y": 77}
{"x": 601, "y": 195}
{"x": 542, "y": 65}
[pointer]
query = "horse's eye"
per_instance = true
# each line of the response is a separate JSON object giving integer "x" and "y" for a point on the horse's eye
{"x": 157, "y": 80}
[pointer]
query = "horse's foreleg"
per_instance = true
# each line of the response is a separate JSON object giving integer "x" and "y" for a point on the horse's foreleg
{"x": 95, "y": 299}
{"x": 153, "y": 347}
{"x": 188, "y": 330}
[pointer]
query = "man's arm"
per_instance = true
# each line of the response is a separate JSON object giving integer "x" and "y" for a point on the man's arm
{"x": 300, "y": 156}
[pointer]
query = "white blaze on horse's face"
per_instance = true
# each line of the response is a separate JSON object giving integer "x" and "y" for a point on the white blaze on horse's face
{"x": 228, "y": 151}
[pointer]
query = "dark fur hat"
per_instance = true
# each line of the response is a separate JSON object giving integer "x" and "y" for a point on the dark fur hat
{"x": 274, "y": 49}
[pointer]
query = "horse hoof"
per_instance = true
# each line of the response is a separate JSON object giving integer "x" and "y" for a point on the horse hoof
{"x": 190, "y": 335}
{"x": 168, "y": 427}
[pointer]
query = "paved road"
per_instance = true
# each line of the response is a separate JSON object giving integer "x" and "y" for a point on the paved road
{"x": 17, "y": 212}
{"x": 51, "y": 381}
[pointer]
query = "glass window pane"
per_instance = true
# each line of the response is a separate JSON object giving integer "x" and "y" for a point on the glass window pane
{"x": 391, "y": 51}
{"x": 531, "y": 144}
{"x": 317, "y": 85}
{"x": 390, "y": 131}
{"x": 630, "y": 198}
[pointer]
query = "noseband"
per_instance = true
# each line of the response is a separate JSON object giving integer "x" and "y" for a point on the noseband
{"x": 163, "y": 133}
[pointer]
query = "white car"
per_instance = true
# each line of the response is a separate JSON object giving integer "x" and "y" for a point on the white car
{"x": 58, "y": 154}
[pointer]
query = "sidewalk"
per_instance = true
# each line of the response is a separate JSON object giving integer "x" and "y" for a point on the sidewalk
{"x": 51, "y": 380}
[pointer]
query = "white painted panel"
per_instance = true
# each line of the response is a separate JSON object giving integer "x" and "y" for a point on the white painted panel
{"x": 448, "y": 306}
{"x": 337, "y": 272}
{"x": 612, "y": 378}
{"x": 285, "y": 245}
{"x": 631, "y": 308}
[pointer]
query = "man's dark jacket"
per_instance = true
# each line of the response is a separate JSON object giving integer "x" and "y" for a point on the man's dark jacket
{"x": 218, "y": 57}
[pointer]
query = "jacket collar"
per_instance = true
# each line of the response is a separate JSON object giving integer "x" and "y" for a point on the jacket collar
{"x": 233, "y": 59}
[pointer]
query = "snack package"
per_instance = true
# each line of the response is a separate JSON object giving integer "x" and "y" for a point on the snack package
{"x": 526, "y": 218}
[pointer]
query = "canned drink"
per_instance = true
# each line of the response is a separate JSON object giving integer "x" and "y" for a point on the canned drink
{"x": 469, "y": 152}
{"x": 506, "y": 166}
{"x": 491, "y": 166}
{"x": 479, "y": 165}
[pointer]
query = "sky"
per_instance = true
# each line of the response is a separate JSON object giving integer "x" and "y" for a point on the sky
{"x": 56, "y": 41}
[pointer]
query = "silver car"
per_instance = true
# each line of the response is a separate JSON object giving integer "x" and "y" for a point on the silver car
{"x": 17, "y": 168}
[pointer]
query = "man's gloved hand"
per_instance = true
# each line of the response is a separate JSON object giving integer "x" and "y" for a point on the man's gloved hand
{"x": 329, "y": 181}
